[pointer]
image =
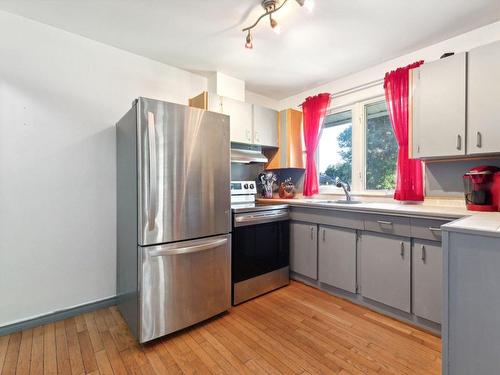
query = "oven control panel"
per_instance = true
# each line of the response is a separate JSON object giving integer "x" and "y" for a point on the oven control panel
{"x": 243, "y": 187}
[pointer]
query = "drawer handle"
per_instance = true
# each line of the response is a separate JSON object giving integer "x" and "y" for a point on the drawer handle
{"x": 382, "y": 222}
{"x": 435, "y": 229}
{"x": 423, "y": 253}
{"x": 479, "y": 140}
{"x": 402, "y": 249}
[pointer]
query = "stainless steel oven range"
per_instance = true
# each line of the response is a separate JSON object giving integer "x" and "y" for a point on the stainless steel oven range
{"x": 260, "y": 244}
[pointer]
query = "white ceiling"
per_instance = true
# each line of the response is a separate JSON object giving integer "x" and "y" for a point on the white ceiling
{"x": 338, "y": 38}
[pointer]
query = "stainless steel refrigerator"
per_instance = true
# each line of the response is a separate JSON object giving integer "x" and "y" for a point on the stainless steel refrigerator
{"x": 173, "y": 217}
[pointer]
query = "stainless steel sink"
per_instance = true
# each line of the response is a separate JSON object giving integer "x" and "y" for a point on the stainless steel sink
{"x": 343, "y": 201}
{"x": 323, "y": 201}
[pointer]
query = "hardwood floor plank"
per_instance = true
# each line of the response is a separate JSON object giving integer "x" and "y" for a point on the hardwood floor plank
{"x": 37, "y": 353}
{"x": 184, "y": 357}
{"x": 154, "y": 360}
{"x": 95, "y": 338}
{"x": 100, "y": 320}
{"x": 274, "y": 360}
{"x": 24, "y": 360}
{"x": 63, "y": 364}
{"x": 88, "y": 357}
{"x": 223, "y": 351}
{"x": 129, "y": 362}
{"x": 294, "y": 330}
{"x": 103, "y": 363}
{"x": 405, "y": 350}
{"x": 202, "y": 355}
{"x": 75, "y": 354}
{"x": 49, "y": 350}
{"x": 12, "y": 354}
{"x": 4, "y": 343}
{"x": 113, "y": 354}
{"x": 80, "y": 323}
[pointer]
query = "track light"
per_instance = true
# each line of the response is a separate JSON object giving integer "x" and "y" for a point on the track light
{"x": 270, "y": 7}
{"x": 308, "y": 4}
{"x": 249, "y": 44}
{"x": 274, "y": 25}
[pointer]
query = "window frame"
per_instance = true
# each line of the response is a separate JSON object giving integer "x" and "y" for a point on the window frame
{"x": 359, "y": 134}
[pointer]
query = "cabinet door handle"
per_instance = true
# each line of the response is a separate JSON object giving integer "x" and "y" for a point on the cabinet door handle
{"x": 312, "y": 229}
{"x": 459, "y": 142}
{"x": 382, "y": 222}
{"x": 479, "y": 140}
{"x": 423, "y": 253}
{"x": 402, "y": 249}
{"x": 324, "y": 233}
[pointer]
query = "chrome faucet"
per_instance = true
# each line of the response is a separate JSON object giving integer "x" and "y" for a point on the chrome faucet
{"x": 345, "y": 186}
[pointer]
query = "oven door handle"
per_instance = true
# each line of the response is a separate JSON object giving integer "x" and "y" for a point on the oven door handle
{"x": 261, "y": 218}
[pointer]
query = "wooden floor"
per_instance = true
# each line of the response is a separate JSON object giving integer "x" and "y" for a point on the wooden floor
{"x": 294, "y": 330}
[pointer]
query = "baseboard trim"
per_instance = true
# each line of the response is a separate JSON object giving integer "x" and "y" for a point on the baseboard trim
{"x": 57, "y": 315}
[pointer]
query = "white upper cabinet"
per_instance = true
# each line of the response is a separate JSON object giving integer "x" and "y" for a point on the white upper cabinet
{"x": 249, "y": 123}
{"x": 265, "y": 126}
{"x": 240, "y": 114}
{"x": 483, "y": 112}
{"x": 439, "y": 102}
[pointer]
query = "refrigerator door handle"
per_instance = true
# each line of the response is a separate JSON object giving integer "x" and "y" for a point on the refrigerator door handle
{"x": 152, "y": 180}
{"x": 189, "y": 249}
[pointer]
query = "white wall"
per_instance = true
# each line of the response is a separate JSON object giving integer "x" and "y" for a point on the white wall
{"x": 60, "y": 96}
{"x": 463, "y": 42}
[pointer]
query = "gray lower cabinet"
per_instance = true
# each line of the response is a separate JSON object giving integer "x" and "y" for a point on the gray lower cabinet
{"x": 471, "y": 326}
{"x": 385, "y": 269}
{"x": 337, "y": 257}
{"x": 427, "y": 275}
{"x": 304, "y": 249}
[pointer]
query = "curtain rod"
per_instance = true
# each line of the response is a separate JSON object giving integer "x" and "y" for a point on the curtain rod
{"x": 355, "y": 89}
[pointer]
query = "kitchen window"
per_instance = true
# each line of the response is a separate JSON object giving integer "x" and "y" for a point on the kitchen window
{"x": 358, "y": 146}
{"x": 335, "y": 149}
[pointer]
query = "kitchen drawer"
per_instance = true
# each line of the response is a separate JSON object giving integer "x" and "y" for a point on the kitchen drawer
{"x": 426, "y": 229}
{"x": 396, "y": 225}
{"x": 335, "y": 218}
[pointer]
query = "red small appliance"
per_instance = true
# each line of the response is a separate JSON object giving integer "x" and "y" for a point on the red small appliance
{"x": 482, "y": 188}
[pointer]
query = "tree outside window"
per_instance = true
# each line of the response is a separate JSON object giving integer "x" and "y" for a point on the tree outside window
{"x": 335, "y": 149}
{"x": 381, "y": 148}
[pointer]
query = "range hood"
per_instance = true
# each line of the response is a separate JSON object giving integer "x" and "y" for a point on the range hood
{"x": 245, "y": 156}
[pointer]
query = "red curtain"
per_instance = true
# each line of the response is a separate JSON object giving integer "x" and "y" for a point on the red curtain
{"x": 409, "y": 177}
{"x": 313, "y": 109}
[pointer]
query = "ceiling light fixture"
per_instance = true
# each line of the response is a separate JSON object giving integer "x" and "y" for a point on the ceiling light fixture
{"x": 308, "y": 4}
{"x": 270, "y": 7}
{"x": 274, "y": 24}
{"x": 249, "y": 44}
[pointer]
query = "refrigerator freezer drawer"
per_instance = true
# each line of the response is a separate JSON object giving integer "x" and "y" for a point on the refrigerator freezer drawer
{"x": 182, "y": 284}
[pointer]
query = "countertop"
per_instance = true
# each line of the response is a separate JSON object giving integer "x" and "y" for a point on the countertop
{"x": 462, "y": 220}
